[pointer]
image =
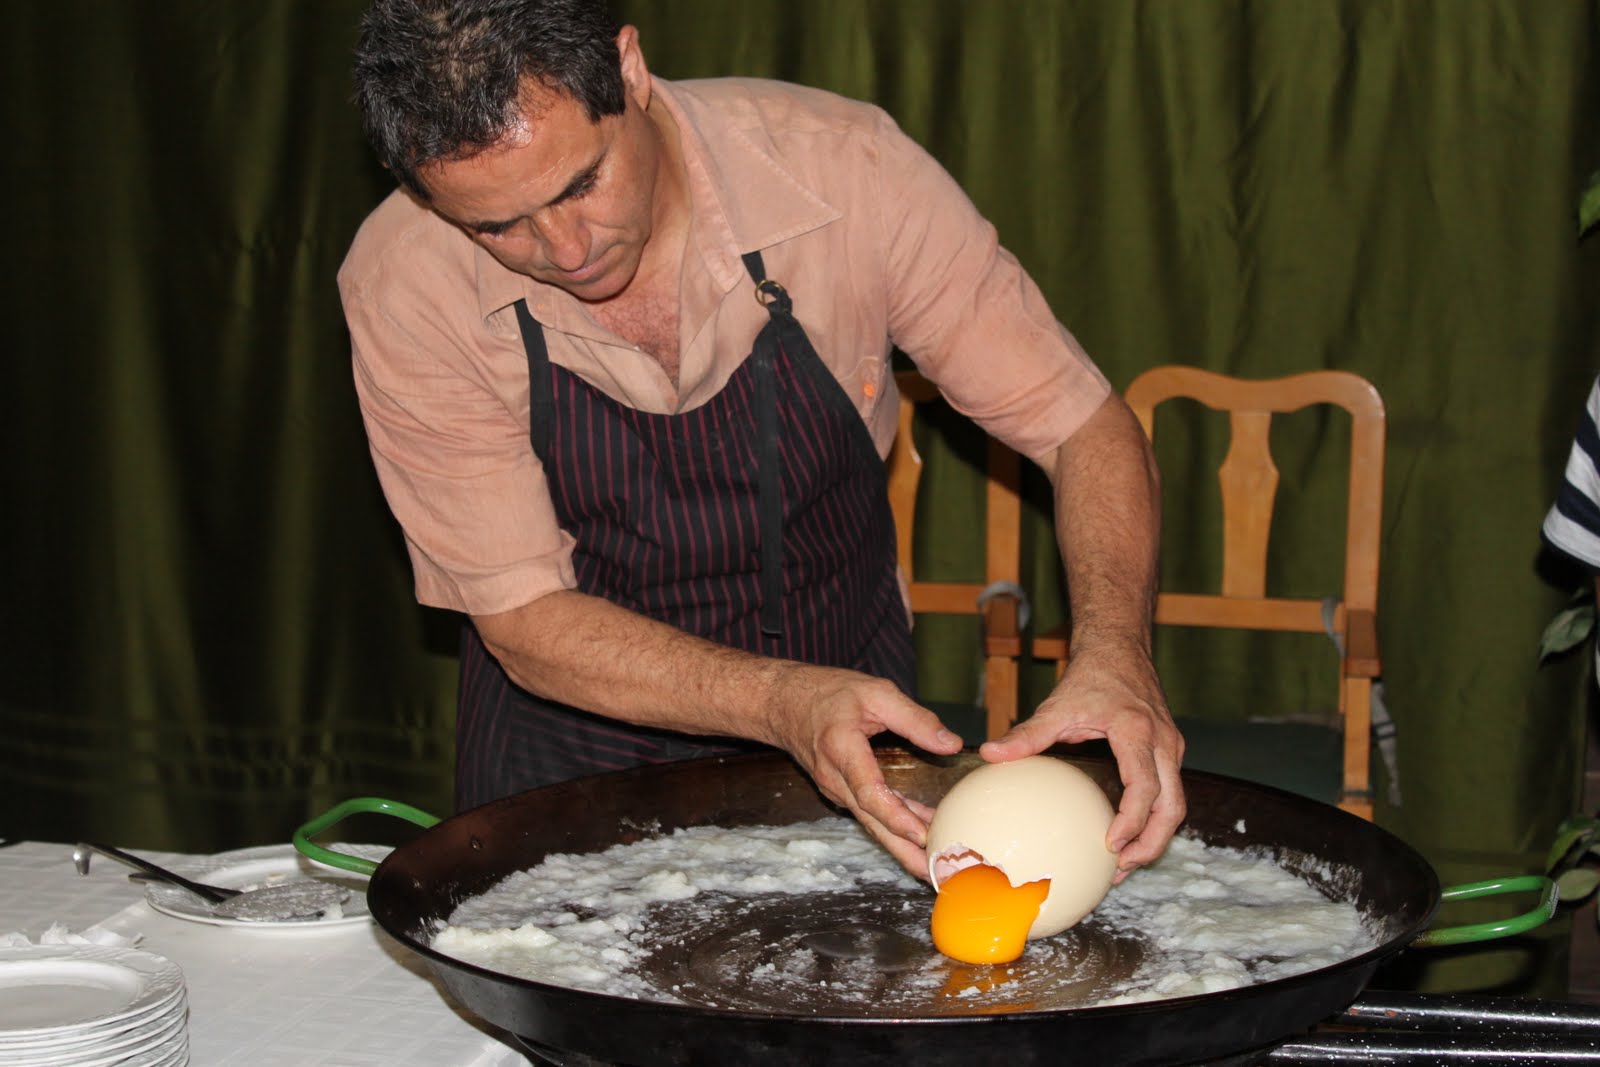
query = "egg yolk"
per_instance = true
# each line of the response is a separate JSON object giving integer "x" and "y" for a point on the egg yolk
{"x": 980, "y": 917}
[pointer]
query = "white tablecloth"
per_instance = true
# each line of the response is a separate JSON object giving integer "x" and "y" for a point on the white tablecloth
{"x": 345, "y": 996}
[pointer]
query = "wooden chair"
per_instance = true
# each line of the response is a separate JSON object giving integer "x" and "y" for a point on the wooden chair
{"x": 1001, "y": 629}
{"x": 1249, "y": 482}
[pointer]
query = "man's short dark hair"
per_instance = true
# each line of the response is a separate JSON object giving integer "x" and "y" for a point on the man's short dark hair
{"x": 441, "y": 79}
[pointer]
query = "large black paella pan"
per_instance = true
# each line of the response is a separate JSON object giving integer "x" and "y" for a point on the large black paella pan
{"x": 728, "y": 1021}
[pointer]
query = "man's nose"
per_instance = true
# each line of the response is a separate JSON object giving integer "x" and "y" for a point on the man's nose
{"x": 566, "y": 241}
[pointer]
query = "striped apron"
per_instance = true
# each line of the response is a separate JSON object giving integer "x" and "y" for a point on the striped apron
{"x": 759, "y": 520}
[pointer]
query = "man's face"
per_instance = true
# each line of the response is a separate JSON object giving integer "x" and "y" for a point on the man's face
{"x": 564, "y": 200}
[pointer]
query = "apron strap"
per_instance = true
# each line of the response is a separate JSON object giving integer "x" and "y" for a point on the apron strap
{"x": 541, "y": 404}
{"x": 769, "y": 487}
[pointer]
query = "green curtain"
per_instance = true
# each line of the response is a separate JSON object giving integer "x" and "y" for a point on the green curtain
{"x": 208, "y": 627}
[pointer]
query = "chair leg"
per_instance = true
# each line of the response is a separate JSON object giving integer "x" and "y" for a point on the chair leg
{"x": 999, "y": 695}
{"x": 1356, "y": 794}
{"x": 1357, "y": 806}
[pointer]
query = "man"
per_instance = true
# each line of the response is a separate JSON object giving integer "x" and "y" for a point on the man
{"x": 660, "y": 501}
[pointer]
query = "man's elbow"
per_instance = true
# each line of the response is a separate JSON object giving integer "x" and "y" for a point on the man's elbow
{"x": 521, "y": 638}
{"x": 1110, "y": 438}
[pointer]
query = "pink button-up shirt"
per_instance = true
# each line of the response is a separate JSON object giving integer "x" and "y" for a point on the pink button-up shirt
{"x": 874, "y": 241}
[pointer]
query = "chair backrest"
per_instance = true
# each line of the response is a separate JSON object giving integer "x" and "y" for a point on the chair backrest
{"x": 1249, "y": 483}
{"x": 1002, "y": 526}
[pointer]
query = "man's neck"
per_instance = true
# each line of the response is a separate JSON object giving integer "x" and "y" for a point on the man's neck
{"x": 645, "y": 313}
{"x": 671, "y": 210}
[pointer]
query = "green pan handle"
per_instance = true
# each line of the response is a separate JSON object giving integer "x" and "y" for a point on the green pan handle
{"x": 354, "y": 806}
{"x": 1520, "y": 924}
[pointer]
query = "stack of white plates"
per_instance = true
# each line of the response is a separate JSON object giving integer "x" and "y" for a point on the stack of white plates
{"x": 87, "y": 1006}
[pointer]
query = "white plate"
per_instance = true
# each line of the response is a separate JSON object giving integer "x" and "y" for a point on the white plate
{"x": 51, "y": 991}
{"x": 170, "y": 1052}
{"x": 115, "y": 1034}
{"x": 60, "y": 1041}
{"x": 250, "y": 868}
{"x": 174, "y": 1054}
{"x": 150, "y": 1043}
{"x": 148, "y": 1029}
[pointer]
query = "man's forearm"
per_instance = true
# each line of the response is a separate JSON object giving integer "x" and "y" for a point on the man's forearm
{"x": 1108, "y": 525}
{"x": 589, "y": 653}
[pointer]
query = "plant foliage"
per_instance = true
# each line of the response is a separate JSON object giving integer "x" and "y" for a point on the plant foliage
{"x": 1589, "y": 204}
{"x": 1570, "y": 628}
{"x": 1577, "y": 840}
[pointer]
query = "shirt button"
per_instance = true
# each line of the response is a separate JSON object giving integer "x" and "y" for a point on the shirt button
{"x": 870, "y": 389}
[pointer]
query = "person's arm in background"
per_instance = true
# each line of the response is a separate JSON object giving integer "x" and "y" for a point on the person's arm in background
{"x": 1572, "y": 526}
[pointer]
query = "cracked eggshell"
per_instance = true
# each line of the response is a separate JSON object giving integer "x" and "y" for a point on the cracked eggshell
{"x": 1036, "y": 817}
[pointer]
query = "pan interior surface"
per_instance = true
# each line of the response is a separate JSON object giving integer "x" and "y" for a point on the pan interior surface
{"x": 866, "y": 954}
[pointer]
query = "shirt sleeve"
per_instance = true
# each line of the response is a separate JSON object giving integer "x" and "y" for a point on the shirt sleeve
{"x": 963, "y": 309}
{"x": 452, "y": 455}
{"x": 1572, "y": 526}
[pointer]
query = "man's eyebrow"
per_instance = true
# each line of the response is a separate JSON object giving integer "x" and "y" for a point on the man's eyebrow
{"x": 576, "y": 187}
{"x": 490, "y": 227}
{"x": 581, "y": 181}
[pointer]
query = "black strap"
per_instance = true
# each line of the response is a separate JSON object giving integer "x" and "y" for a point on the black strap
{"x": 769, "y": 485}
{"x": 541, "y": 404}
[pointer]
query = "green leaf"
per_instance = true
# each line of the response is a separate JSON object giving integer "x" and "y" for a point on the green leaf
{"x": 1580, "y": 823}
{"x": 1589, "y": 204}
{"x": 1573, "y": 838}
{"x": 1577, "y": 885}
{"x": 1570, "y": 628}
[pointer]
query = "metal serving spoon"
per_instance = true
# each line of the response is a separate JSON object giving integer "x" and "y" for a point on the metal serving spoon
{"x": 213, "y": 894}
{"x": 288, "y": 902}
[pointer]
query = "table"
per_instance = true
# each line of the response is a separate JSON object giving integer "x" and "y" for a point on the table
{"x": 346, "y": 996}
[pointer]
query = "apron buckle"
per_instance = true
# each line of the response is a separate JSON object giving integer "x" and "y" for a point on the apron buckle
{"x": 769, "y": 292}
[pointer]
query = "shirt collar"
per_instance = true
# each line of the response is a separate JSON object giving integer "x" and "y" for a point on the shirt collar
{"x": 744, "y": 200}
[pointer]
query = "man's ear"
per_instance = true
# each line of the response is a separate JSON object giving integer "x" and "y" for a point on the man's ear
{"x": 635, "y": 73}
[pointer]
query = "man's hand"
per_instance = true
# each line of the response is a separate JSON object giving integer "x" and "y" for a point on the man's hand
{"x": 824, "y": 718}
{"x": 1113, "y": 693}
